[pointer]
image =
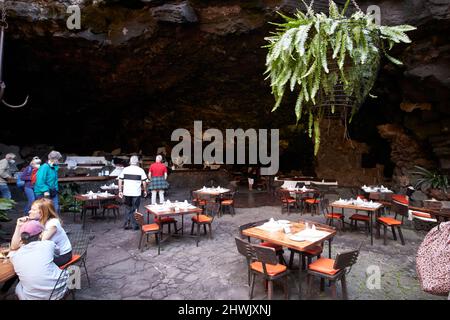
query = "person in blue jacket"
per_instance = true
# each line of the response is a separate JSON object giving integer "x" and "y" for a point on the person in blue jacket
{"x": 29, "y": 177}
{"x": 47, "y": 179}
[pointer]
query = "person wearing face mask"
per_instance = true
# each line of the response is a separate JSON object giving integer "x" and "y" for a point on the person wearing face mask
{"x": 47, "y": 179}
{"x": 5, "y": 175}
{"x": 29, "y": 177}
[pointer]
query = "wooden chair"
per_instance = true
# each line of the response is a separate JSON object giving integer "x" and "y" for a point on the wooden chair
{"x": 91, "y": 206}
{"x": 227, "y": 201}
{"x": 333, "y": 271}
{"x": 312, "y": 201}
{"x": 60, "y": 291}
{"x": 205, "y": 219}
{"x": 167, "y": 221}
{"x": 308, "y": 254}
{"x": 331, "y": 216}
{"x": 287, "y": 200}
{"x": 245, "y": 248}
{"x": 355, "y": 218}
{"x": 197, "y": 200}
{"x": 111, "y": 208}
{"x": 148, "y": 229}
{"x": 278, "y": 249}
{"x": 399, "y": 209}
{"x": 267, "y": 265}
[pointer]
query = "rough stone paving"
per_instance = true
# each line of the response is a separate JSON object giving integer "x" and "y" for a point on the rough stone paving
{"x": 215, "y": 270}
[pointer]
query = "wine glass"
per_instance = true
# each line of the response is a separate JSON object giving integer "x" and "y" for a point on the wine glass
{"x": 4, "y": 250}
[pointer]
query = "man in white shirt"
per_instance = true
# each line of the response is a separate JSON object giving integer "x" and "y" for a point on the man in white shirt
{"x": 132, "y": 181}
{"x": 33, "y": 263}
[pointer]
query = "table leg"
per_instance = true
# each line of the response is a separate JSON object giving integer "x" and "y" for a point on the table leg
{"x": 329, "y": 247}
{"x": 198, "y": 228}
{"x": 83, "y": 213}
{"x": 182, "y": 224}
{"x": 371, "y": 227}
{"x": 300, "y": 283}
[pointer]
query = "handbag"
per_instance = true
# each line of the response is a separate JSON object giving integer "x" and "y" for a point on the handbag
{"x": 433, "y": 261}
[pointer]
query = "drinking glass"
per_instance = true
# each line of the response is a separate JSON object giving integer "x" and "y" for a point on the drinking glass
{"x": 4, "y": 249}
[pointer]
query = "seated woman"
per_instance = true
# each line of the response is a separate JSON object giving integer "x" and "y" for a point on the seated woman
{"x": 33, "y": 263}
{"x": 42, "y": 210}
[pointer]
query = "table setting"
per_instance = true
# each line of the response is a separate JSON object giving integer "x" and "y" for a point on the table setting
{"x": 310, "y": 233}
{"x": 112, "y": 186}
{"x": 358, "y": 202}
{"x": 381, "y": 189}
{"x": 171, "y": 206}
{"x": 275, "y": 225}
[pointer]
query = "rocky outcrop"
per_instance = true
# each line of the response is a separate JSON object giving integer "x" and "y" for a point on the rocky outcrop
{"x": 406, "y": 153}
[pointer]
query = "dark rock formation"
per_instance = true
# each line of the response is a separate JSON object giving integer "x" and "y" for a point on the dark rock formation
{"x": 138, "y": 69}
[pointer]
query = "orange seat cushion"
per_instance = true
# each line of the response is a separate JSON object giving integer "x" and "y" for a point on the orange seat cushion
{"x": 312, "y": 201}
{"x": 359, "y": 217}
{"x": 288, "y": 200}
{"x": 227, "y": 202}
{"x": 277, "y": 247}
{"x": 272, "y": 269}
{"x": 400, "y": 198}
{"x": 334, "y": 215}
{"x": 165, "y": 220}
{"x": 201, "y": 219}
{"x": 314, "y": 250}
{"x": 390, "y": 221}
{"x": 421, "y": 214}
{"x": 361, "y": 196}
{"x": 323, "y": 265}
{"x": 74, "y": 259}
{"x": 150, "y": 227}
{"x": 111, "y": 206}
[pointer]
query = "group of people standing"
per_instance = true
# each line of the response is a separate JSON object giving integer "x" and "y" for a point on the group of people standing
{"x": 39, "y": 181}
{"x": 133, "y": 183}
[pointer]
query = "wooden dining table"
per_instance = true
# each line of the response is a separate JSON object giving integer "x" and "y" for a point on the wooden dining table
{"x": 282, "y": 239}
{"x": 6, "y": 270}
{"x": 84, "y": 198}
{"x": 371, "y": 212}
{"x": 160, "y": 214}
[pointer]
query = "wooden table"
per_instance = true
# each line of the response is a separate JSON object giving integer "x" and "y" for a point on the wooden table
{"x": 436, "y": 214}
{"x": 84, "y": 198}
{"x": 282, "y": 239}
{"x": 171, "y": 213}
{"x": 6, "y": 270}
{"x": 211, "y": 192}
{"x": 370, "y": 211}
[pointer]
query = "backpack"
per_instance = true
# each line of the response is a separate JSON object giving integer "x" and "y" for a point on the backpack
{"x": 19, "y": 182}
{"x": 433, "y": 261}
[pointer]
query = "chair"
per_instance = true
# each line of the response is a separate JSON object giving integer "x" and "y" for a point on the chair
{"x": 278, "y": 249}
{"x": 91, "y": 206}
{"x": 80, "y": 242}
{"x": 312, "y": 201}
{"x": 227, "y": 201}
{"x": 331, "y": 216}
{"x": 61, "y": 290}
{"x": 111, "y": 208}
{"x": 245, "y": 248}
{"x": 355, "y": 218}
{"x": 196, "y": 200}
{"x": 287, "y": 200}
{"x": 308, "y": 254}
{"x": 333, "y": 271}
{"x": 267, "y": 265}
{"x": 167, "y": 221}
{"x": 399, "y": 209}
{"x": 205, "y": 219}
{"x": 148, "y": 229}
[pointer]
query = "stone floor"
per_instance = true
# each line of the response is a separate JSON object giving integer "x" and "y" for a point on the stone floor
{"x": 215, "y": 270}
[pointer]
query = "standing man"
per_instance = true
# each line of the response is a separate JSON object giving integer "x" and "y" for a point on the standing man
{"x": 47, "y": 179}
{"x": 157, "y": 174}
{"x": 5, "y": 174}
{"x": 132, "y": 182}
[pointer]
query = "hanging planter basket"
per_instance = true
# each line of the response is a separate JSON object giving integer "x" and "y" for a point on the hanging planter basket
{"x": 329, "y": 58}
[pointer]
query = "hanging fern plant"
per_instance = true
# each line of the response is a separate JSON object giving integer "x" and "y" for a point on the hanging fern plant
{"x": 320, "y": 56}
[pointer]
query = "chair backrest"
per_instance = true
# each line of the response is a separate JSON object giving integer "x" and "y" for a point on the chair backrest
{"x": 79, "y": 241}
{"x": 265, "y": 255}
{"x": 211, "y": 209}
{"x": 347, "y": 259}
{"x": 139, "y": 218}
{"x": 374, "y": 196}
{"x": 400, "y": 209}
{"x": 245, "y": 248}
{"x": 60, "y": 289}
{"x": 250, "y": 225}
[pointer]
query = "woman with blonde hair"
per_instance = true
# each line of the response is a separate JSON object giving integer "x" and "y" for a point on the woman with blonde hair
{"x": 43, "y": 210}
